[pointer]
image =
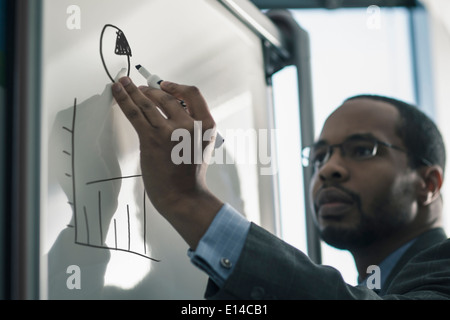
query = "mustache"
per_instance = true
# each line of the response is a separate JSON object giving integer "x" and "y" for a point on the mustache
{"x": 353, "y": 195}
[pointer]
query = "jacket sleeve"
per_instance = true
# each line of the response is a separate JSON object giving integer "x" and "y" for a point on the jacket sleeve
{"x": 269, "y": 268}
{"x": 425, "y": 277}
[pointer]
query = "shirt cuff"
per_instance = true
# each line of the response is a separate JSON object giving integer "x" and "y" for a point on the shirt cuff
{"x": 220, "y": 247}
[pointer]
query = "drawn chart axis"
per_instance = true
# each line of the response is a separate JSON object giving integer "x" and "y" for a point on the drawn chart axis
{"x": 76, "y": 206}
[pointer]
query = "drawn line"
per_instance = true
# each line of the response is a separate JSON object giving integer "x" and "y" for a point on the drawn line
{"x": 128, "y": 217}
{"x": 100, "y": 216}
{"x": 74, "y": 203}
{"x": 111, "y": 179}
{"x": 67, "y": 129}
{"x": 118, "y": 249}
{"x": 68, "y": 175}
{"x": 145, "y": 227}
{"x": 87, "y": 223}
{"x": 73, "y": 167}
{"x": 124, "y": 50}
{"x": 115, "y": 233}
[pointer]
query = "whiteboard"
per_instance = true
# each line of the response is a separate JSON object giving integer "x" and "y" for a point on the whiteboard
{"x": 100, "y": 236}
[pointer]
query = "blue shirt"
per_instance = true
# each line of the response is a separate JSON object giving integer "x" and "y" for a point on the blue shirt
{"x": 220, "y": 247}
{"x": 386, "y": 266}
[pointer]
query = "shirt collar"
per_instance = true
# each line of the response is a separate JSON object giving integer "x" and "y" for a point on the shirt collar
{"x": 389, "y": 263}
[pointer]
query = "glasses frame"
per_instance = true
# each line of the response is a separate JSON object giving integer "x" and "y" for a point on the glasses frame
{"x": 340, "y": 146}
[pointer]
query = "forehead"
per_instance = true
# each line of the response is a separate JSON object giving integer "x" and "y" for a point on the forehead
{"x": 362, "y": 115}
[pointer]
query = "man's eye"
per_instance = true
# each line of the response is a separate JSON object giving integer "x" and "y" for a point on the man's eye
{"x": 362, "y": 151}
{"x": 318, "y": 157}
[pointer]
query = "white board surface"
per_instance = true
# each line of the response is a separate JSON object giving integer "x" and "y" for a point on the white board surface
{"x": 96, "y": 222}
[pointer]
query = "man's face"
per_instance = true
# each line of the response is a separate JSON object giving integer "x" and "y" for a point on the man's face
{"x": 357, "y": 203}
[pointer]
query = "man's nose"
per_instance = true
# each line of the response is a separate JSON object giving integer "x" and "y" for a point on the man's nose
{"x": 335, "y": 169}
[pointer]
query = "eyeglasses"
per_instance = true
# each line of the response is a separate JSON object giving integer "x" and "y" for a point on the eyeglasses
{"x": 358, "y": 148}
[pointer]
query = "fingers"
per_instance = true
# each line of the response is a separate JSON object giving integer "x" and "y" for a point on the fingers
{"x": 197, "y": 105}
{"x": 139, "y": 110}
{"x": 167, "y": 103}
{"x": 140, "y": 105}
{"x": 122, "y": 73}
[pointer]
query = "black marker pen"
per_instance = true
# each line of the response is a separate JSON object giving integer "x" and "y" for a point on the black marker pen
{"x": 152, "y": 79}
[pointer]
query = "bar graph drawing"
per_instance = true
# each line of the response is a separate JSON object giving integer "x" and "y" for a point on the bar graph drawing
{"x": 89, "y": 221}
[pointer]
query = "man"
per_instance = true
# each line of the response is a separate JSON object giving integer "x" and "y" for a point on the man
{"x": 376, "y": 193}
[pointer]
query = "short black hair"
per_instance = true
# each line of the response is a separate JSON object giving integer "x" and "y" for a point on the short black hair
{"x": 419, "y": 133}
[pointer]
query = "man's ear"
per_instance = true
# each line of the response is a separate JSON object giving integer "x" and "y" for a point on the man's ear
{"x": 431, "y": 182}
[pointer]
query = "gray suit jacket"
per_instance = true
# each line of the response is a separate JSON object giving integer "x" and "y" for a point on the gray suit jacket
{"x": 269, "y": 268}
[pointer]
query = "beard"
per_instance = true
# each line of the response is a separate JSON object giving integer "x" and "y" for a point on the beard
{"x": 384, "y": 218}
{"x": 349, "y": 238}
